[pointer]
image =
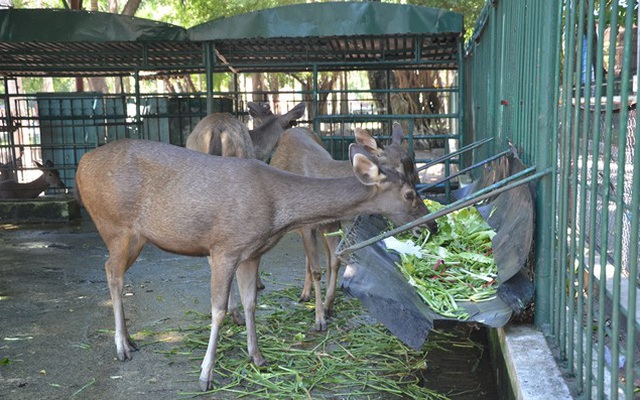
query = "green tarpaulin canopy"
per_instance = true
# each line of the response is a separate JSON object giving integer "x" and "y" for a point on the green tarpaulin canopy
{"x": 329, "y": 36}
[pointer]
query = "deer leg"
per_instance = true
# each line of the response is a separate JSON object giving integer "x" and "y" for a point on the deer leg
{"x": 306, "y": 288}
{"x": 123, "y": 251}
{"x": 259, "y": 283}
{"x": 310, "y": 242}
{"x": 232, "y": 304}
{"x": 247, "y": 275}
{"x": 221, "y": 280}
{"x": 333, "y": 265}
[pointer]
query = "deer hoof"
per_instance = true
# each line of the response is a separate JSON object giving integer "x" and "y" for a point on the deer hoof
{"x": 259, "y": 361}
{"x": 236, "y": 318}
{"x": 205, "y": 385}
{"x": 304, "y": 297}
{"x": 125, "y": 349}
{"x": 328, "y": 312}
{"x": 321, "y": 326}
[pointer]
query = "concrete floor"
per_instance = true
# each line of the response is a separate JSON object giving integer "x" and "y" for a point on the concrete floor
{"x": 56, "y": 318}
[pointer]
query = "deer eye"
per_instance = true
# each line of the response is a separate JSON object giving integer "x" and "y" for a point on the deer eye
{"x": 409, "y": 195}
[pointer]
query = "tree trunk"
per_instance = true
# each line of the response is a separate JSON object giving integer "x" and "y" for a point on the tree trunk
{"x": 378, "y": 81}
{"x": 273, "y": 80}
{"x": 131, "y": 7}
{"x": 259, "y": 88}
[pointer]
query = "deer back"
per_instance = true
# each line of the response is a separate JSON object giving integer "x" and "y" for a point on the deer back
{"x": 12, "y": 189}
{"x": 300, "y": 151}
{"x": 221, "y": 134}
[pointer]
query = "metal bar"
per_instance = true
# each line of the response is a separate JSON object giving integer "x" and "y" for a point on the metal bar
{"x": 564, "y": 189}
{"x": 572, "y": 338}
{"x": 462, "y": 171}
{"x": 633, "y": 243}
{"x": 386, "y": 91}
{"x": 547, "y": 158}
{"x": 617, "y": 256}
{"x": 210, "y": 59}
{"x": 316, "y": 119}
{"x": 584, "y": 371}
{"x": 593, "y": 199}
{"x": 460, "y": 100}
{"x": 493, "y": 190}
{"x": 604, "y": 237}
{"x": 454, "y": 153}
{"x": 368, "y": 117}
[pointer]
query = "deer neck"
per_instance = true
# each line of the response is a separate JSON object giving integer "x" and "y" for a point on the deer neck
{"x": 265, "y": 137}
{"x": 31, "y": 189}
{"x": 310, "y": 201}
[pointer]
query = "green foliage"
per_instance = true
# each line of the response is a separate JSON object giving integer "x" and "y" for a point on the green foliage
{"x": 470, "y": 9}
{"x": 457, "y": 262}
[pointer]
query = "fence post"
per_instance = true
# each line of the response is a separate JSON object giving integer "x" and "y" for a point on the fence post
{"x": 547, "y": 131}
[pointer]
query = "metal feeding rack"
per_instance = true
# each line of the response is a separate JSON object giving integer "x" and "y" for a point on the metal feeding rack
{"x": 504, "y": 195}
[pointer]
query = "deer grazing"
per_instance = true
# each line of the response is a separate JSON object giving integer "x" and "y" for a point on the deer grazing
{"x": 300, "y": 151}
{"x": 12, "y": 189}
{"x": 222, "y": 134}
{"x": 231, "y": 210}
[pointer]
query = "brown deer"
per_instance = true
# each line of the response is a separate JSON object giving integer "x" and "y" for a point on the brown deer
{"x": 224, "y": 135}
{"x": 231, "y": 210}
{"x": 12, "y": 189}
{"x": 300, "y": 151}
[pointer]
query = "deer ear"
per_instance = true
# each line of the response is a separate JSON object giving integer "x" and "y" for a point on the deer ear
{"x": 295, "y": 113}
{"x": 367, "y": 141}
{"x": 366, "y": 170}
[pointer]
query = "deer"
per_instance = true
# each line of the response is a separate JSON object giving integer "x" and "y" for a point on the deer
{"x": 228, "y": 209}
{"x": 12, "y": 189}
{"x": 300, "y": 151}
{"x": 8, "y": 169}
{"x": 224, "y": 135}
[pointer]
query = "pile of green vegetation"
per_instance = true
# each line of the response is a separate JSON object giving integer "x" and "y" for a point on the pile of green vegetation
{"x": 456, "y": 263}
{"x": 354, "y": 359}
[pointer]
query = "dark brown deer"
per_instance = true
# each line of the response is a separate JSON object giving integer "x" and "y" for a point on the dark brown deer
{"x": 12, "y": 189}
{"x": 222, "y": 134}
{"x": 231, "y": 210}
{"x": 300, "y": 151}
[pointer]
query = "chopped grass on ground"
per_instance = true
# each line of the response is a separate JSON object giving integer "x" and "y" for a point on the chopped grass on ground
{"x": 354, "y": 359}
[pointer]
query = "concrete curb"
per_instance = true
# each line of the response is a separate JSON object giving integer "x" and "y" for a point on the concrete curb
{"x": 38, "y": 210}
{"x": 529, "y": 364}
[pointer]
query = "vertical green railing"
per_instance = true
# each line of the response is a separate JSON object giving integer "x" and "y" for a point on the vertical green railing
{"x": 559, "y": 76}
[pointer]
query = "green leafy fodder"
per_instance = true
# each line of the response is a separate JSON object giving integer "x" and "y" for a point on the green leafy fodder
{"x": 457, "y": 262}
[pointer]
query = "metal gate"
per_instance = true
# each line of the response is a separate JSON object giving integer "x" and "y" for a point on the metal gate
{"x": 562, "y": 87}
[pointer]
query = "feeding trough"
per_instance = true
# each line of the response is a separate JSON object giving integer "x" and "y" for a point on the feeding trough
{"x": 503, "y": 195}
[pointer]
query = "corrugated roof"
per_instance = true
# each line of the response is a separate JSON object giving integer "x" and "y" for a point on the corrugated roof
{"x": 329, "y": 36}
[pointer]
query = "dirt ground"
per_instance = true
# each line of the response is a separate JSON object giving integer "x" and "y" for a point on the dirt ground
{"x": 56, "y": 321}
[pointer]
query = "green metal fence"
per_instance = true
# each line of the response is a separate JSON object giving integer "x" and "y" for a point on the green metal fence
{"x": 560, "y": 87}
